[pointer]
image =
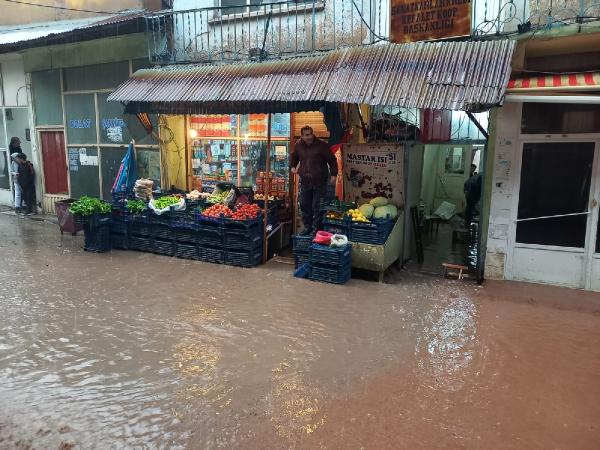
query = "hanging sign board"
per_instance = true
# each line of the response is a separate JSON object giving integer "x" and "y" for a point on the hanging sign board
{"x": 425, "y": 20}
{"x": 373, "y": 170}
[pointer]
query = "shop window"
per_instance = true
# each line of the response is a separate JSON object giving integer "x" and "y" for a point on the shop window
{"x": 455, "y": 160}
{"x": 555, "y": 181}
{"x": 4, "y": 169}
{"x": 83, "y": 171}
{"x": 81, "y": 119}
{"x": 99, "y": 76}
{"x": 558, "y": 118}
{"x": 113, "y": 129}
{"x": 47, "y": 97}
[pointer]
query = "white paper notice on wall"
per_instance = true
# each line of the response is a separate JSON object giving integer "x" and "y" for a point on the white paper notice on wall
{"x": 86, "y": 160}
{"x": 114, "y": 134}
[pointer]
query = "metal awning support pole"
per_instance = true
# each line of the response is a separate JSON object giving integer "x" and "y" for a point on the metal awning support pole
{"x": 266, "y": 187}
{"x": 482, "y": 130}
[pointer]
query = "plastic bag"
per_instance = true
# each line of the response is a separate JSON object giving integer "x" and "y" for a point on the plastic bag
{"x": 179, "y": 206}
{"x": 323, "y": 238}
{"x": 339, "y": 240}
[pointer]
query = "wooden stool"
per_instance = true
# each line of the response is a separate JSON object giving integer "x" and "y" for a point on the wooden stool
{"x": 460, "y": 268}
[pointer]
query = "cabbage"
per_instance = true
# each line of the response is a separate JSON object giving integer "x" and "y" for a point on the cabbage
{"x": 385, "y": 212}
{"x": 379, "y": 201}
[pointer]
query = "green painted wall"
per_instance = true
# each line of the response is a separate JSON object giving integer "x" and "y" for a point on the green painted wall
{"x": 99, "y": 51}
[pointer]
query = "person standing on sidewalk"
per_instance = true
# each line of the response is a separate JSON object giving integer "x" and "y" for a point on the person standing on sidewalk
{"x": 15, "y": 150}
{"x": 26, "y": 179}
{"x": 316, "y": 165}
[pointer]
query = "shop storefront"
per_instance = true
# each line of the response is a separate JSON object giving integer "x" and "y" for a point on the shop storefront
{"x": 227, "y": 138}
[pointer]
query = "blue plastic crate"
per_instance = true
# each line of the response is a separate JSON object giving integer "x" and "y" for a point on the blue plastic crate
{"x": 137, "y": 218}
{"x": 162, "y": 232}
{"x": 164, "y": 247}
{"x": 97, "y": 238}
{"x": 339, "y": 275}
{"x": 187, "y": 236}
{"x": 301, "y": 243}
{"x": 210, "y": 236}
{"x": 249, "y": 226}
{"x": 330, "y": 256}
{"x": 243, "y": 259}
{"x": 162, "y": 219}
{"x": 118, "y": 226}
{"x": 142, "y": 244}
{"x": 337, "y": 226}
{"x": 374, "y": 232}
{"x": 242, "y": 242}
{"x": 300, "y": 259}
{"x": 120, "y": 241}
{"x": 139, "y": 229}
{"x": 187, "y": 251}
{"x": 211, "y": 254}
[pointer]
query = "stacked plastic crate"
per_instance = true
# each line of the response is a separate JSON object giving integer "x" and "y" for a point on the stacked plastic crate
{"x": 330, "y": 264}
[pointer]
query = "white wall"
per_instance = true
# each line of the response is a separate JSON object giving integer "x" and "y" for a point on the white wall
{"x": 14, "y": 86}
{"x": 505, "y": 178}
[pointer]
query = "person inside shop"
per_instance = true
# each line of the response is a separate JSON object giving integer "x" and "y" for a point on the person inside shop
{"x": 26, "y": 179}
{"x": 472, "y": 188}
{"x": 15, "y": 150}
{"x": 316, "y": 165}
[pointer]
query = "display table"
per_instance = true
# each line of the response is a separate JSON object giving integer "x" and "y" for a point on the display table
{"x": 378, "y": 258}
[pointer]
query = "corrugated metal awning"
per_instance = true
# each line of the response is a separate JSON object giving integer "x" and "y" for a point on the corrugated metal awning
{"x": 438, "y": 75}
{"x": 584, "y": 81}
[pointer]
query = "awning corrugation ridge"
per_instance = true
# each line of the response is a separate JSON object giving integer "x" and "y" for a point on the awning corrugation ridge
{"x": 438, "y": 75}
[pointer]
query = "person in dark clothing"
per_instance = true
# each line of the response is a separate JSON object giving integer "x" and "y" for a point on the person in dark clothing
{"x": 472, "y": 188}
{"x": 316, "y": 165}
{"x": 26, "y": 179}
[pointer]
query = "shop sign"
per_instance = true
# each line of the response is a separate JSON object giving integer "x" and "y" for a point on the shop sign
{"x": 80, "y": 123}
{"x": 425, "y": 20}
{"x": 373, "y": 171}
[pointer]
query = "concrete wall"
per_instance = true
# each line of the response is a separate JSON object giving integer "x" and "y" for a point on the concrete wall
{"x": 99, "y": 51}
{"x": 502, "y": 163}
{"x": 15, "y": 14}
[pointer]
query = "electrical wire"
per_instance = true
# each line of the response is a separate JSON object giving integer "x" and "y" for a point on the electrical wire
{"x": 64, "y": 8}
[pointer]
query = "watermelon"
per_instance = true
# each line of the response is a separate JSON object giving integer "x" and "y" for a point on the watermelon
{"x": 385, "y": 212}
{"x": 379, "y": 201}
{"x": 367, "y": 210}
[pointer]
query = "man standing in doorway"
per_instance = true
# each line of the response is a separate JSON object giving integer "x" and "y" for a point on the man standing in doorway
{"x": 472, "y": 189}
{"x": 316, "y": 165}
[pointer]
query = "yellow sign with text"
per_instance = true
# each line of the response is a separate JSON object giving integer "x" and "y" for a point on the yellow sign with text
{"x": 426, "y": 20}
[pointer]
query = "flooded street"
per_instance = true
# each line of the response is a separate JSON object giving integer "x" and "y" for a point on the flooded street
{"x": 131, "y": 350}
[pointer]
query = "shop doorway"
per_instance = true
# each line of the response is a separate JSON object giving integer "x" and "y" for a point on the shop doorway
{"x": 556, "y": 225}
{"x": 443, "y": 207}
{"x": 55, "y": 162}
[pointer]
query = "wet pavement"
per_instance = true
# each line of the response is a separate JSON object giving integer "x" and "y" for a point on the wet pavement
{"x": 132, "y": 350}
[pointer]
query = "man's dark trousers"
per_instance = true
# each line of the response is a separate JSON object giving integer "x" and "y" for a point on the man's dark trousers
{"x": 310, "y": 203}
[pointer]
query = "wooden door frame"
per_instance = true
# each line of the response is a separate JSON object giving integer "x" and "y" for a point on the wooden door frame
{"x": 38, "y": 133}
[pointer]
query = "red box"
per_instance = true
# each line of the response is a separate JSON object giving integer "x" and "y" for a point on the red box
{"x": 436, "y": 125}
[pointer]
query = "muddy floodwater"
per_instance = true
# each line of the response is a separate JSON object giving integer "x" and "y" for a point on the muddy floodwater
{"x": 129, "y": 350}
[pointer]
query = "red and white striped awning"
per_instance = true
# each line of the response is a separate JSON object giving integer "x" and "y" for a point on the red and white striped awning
{"x": 584, "y": 81}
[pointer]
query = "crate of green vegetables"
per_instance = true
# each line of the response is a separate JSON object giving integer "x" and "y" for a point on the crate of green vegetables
{"x": 137, "y": 211}
{"x": 90, "y": 210}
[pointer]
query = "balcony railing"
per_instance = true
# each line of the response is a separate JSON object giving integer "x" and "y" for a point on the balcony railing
{"x": 268, "y": 30}
{"x": 289, "y": 28}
